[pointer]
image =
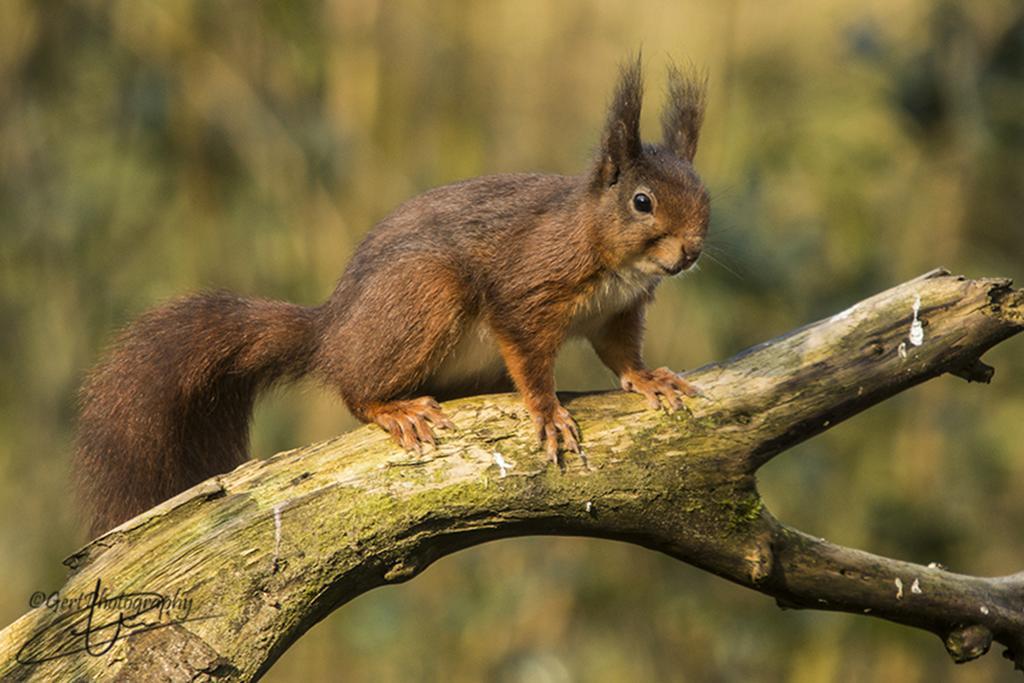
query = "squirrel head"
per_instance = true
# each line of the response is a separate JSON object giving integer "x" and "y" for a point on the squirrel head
{"x": 654, "y": 208}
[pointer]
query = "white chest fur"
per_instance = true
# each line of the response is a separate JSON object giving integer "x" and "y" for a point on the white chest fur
{"x": 613, "y": 293}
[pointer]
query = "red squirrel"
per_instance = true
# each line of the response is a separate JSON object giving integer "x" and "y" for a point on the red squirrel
{"x": 465, "y": 289}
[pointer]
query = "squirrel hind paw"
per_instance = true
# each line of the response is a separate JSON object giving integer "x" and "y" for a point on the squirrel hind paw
{"x": 411, "y": 422}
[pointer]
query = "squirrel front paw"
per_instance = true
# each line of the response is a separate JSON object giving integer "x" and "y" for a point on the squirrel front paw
{"x": 659, "y": 386}
{"x": 557, "y": 426}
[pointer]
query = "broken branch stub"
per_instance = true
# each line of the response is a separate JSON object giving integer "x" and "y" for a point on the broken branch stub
{"x": 264, "y": 552}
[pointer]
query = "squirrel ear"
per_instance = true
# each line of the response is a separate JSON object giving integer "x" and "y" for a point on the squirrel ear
{"x": 620, "y": 143}
{"x": 684, "y": 111}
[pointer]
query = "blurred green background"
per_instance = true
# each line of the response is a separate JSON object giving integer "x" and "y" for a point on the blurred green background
{"x": 148, "y": 149}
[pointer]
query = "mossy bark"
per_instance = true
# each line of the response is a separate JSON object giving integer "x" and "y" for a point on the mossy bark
{"x": 266, "y": 551}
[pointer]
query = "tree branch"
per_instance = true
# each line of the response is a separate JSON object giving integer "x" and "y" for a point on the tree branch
{"x": 266, "y": 551}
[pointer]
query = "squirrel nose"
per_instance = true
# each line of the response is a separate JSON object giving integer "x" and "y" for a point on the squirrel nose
{"x": 689, "y": 257}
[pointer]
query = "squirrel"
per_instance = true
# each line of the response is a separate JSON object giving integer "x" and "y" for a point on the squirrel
{"x": 468, "y": 288}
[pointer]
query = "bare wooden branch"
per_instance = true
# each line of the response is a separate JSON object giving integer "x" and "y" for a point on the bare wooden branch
{"x": 266, "y": 551}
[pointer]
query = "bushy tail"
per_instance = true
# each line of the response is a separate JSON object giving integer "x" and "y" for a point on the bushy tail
{"x": 170, "y": 404}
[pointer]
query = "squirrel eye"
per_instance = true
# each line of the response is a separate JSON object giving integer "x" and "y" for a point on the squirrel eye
{"x": 642, "y": 203}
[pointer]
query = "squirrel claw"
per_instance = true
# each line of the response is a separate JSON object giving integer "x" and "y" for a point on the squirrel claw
{"x": 661, "y": 386}
{"x": 559, "y": 426}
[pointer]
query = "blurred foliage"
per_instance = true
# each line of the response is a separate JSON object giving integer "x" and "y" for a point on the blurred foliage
{"x": 152, "y": 148}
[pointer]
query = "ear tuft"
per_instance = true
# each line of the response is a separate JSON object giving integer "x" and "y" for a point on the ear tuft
{"x": 620, "y": 143}
{"x": 684, "y": 111}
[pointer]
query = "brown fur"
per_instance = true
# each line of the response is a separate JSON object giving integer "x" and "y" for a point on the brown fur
{"x": 467, "y": 288}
